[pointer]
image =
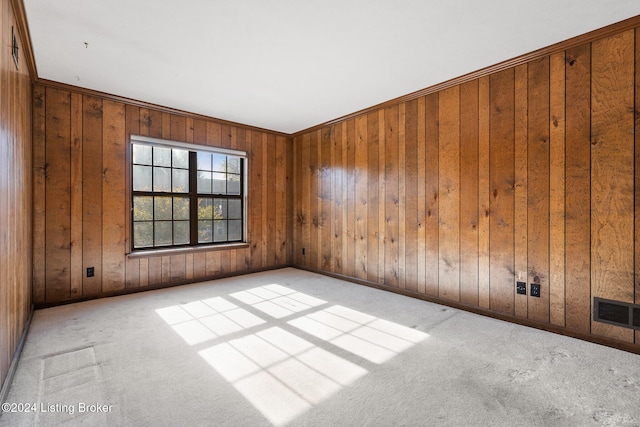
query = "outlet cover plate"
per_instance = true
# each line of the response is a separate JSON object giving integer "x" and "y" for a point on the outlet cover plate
{"x": 521, "y": 288}
{"x": 535, "y": 290}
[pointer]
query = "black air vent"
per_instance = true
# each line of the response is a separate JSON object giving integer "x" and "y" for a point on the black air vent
{"x": 616, "y": 313}
{"x": 636, "y": 318}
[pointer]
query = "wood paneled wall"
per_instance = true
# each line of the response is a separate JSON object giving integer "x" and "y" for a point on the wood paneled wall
{"x": 80, "y": 193}
{"x": 525, "y": 174}
{"x": 15, "y": 191}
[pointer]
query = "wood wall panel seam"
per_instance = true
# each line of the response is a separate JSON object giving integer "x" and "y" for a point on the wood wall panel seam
{"x": 411, "y": 172}
{"x": 265, "y": 204}
{"x": 538, "y": 152}
{"x": 343, "y": 236}
{"x": 402, "y": 196}
{"x": 392, "y": 228}
{"x": 484, "y": 169}
{"x": 361, "y": 196}
{"x": 469, "y": 184}
{"x": 333, "y": 230}
{"x": 350, "y": 203}
{"x": 432, "y": 179}
{"x": 76, "y": 194}
{"x": 501, "y": 196}
{"x": 422, "y": 196}
{"x": 449, "y": 194}
{"x": 373, "y": 197}
{"x": 382, "y": 236}
{"x": 315, "y": 203}
{"x": 557, "y": 189}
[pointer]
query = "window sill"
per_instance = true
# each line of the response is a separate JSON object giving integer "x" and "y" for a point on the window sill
{"x": 187, "y": 250}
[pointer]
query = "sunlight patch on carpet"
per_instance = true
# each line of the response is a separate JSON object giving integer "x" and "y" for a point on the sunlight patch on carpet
{"x": 376, "y": 340}
{"x": 200, "y": 321}
{"x": 280, "y": 373}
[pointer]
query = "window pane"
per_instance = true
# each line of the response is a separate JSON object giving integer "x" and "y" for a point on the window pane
{"x": 204, "y": 161}
{"x": 219, "y": 208}
{"x": 219, "y": 184}
{"x": 219, "y": 163}
{"x": 162, "y": 209}
{"x": 233, "y": 184}
{"x": 233, "y": 165}
{"x": 180, "y": 181}
{"x": 142, "y": 234}
{"x": 141, "y": 178}
{"x": 180, "y": 208}
{"x": 161, "y": 179}
{"x": 219, "y": 230}
{"x": 142, "y": 208}
{"x": 205, "y": 208}
{"x": 161, "y": 156}
{"x": 181, "y": 232}
{"x": 204, "y": 182}
{"x": 235, "y": 209}
{"x": 163, "y": 233}
{"x": 141, "y": 154}
{"x": 180, "y": 159}
{"x": 235, "y": 229}
{"x": 205, "y": 232}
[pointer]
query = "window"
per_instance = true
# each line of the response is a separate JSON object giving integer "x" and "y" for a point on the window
{"x": 185, "y": 195}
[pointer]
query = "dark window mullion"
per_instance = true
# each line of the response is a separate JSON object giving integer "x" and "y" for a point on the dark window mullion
{"x": 132, "y": 239}
{"x": 153, "y": 218}
{"x": 171, "y": 178}
{"x": 193, "y": 198}
{"x": 173, "y": 241}
{"x": 158, "y": 193}
{"x": 153, "y": 168}
{"x": 242, "y": 237}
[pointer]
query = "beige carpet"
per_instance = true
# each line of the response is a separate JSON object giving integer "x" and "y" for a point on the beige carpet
{"x": 290, "y": 347}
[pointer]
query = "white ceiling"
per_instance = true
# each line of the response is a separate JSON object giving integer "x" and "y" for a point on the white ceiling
{"x": 287, "y": 65}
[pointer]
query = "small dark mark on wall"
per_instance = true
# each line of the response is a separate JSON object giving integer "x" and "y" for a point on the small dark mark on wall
{"x": 14, "y": 48}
